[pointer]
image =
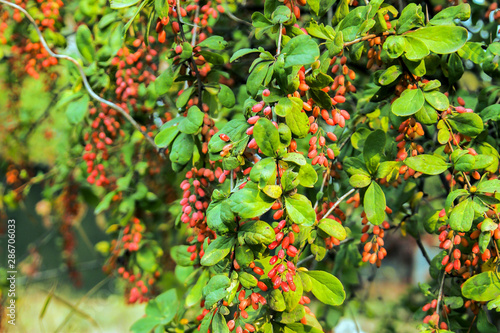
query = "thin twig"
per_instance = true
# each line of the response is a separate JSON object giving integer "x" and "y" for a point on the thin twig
{"x": 362, "y": 39}
{"x": 195, "y": 29}
{"x": 440, "y": 294}
{"x": 234, "y": 18}
{"x": 82, "y": 74}
{"x": 191, "y": 59}
{"x": 321, "y": 189}
{"x": 422, "y": 249}
{"x": 342, "y": 198}
{"x": 309, "y": 257}
{"x": 279, "y": 40}
{"x": 327, "y": 171}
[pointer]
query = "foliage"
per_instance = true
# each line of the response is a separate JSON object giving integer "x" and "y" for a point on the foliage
{"x": 280, "y": 143}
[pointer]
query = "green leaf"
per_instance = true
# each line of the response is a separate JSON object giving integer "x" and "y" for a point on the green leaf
{"x": 184, "y": 97}
{"x": 448, "y": 15}
{"x": 146, "y": 259}
{"x": 489, "y": 186}
{"x": 195, "y": 293}
{"x": 213, "y": 58}
{"x": 484, "y": 241}
{"x": 482, "y": 287}
{"x": 307, "y": 175}
{"x": 118, "y": 4}
{"x": 320, "y": 31}
{"x": 374, "y": 149}
{"x": 182, "y": 149}
{"x": 491, "y": 112}
{"x": 469, "y": 124}
{"x": 374, "y": 204}
{"x": 461, "y": 216}
{"x": 164, "y": 82}
{"x": 326, "y": 287}
{"x": 411, "y": 17}
{"x": 438, "y": 100}
{"x": 416, "y": 67}
{"x": 276, "y": 300}
{"x": 441, "y": 39}
{"x": 297, "y": 120}
{"x": 295, "y": 158}
{"x": 283, "y": 107}
{"x": 394, "y": 46}
{"x": 217, "y": 250}
{"x": 167, "y": 303}
{"x": 257, "y": 232}
{"x": 249, "y": 202}
{"x": 267, "y": 137}
{"x": 427, "y": 115}
{"x": 390, "y": 75}
{"x": 300, "y": 328}
{"x": 389, "y": 170}
{"x": 274, "y": 191}
{"x": 299, "y": 210}
{"x": 247, "y": 280}
{"x": 454, "y": 302}
{"x": 319, "y": 81}
{"x": 256, "y": 77}
{"x": 472, "y": 51}
{"x": 415, "y": 49}
{"x": 145, "y": 325}
{"x": 289, "y": 180}
{"x": 300, "y": 51}
{"x": 292, "y": 299}
{"x": 161, "y": 8}
{"x": 165, "y": 137}
{"x": 220, "y": 218}
{"x": 242, "y": 52}
{"x": 465, "y": 163}
{"x": 292, "y": 316}
{"x": 427, "y": 164}
{"x": 455, "y": 68}
{"x": 77, "y": 110}
{"x": 360, "y": 180}
{"x": 226, "y": 96}
{"x": 318, "y": 248}
{"x": 214, "y": 43}
{"x": 244, "y": 255}
{"x": 483, "y": 324}
{"x": 234, "y": 129}
{"x": 84, "y": 42}
{"x": 219, "y": 324}
{"x": 314, "y": 5}
{"x": 332, "y": 228}
{"x": 353, "y": 166}
{"x": 281, "y": 14}
{"x": 264, "y": 172}
{"x": 410, "y": 102}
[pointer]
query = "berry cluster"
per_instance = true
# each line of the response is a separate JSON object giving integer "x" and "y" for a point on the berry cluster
{"x": 195, "y": 200}
{"x": 373, "y": 250}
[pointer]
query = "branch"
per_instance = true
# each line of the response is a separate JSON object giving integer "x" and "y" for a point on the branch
{"x": 367, "y": 37}
{"x": 321, "y": 189}
{"x": 82, "y": 74}
{"x": 191, "y": 59}
{"x": 422, "y": 249}
{"x": 279, "y": 40}
{"x": 342, "y": 198}
{"x": 234, "y": 18}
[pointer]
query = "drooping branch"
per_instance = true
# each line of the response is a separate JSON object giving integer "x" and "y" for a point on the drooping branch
{"x": 191, "y": 59}
{"x": 86, "y": 83}
{"x": 342, "y": 198}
